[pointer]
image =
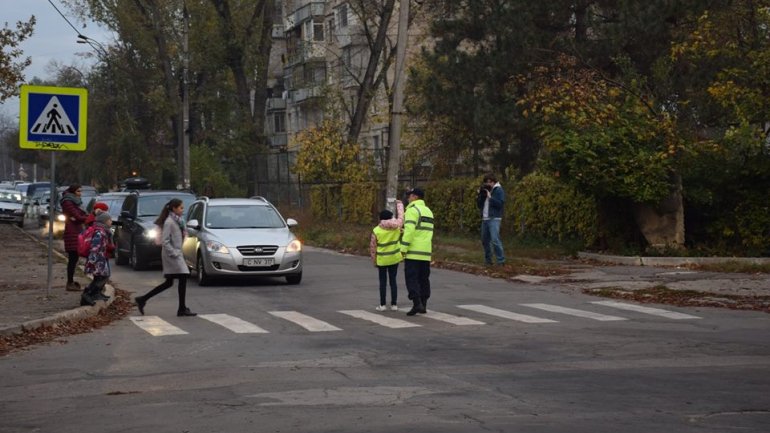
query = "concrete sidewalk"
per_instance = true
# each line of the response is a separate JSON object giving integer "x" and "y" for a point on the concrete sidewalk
{"x": 25, "y": 302}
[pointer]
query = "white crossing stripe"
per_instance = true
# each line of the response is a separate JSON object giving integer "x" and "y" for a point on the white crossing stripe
{"x": 506, "y": 314}
{"x": 455, "y": 320}
{"x": 379, "y": 319}
{"x": 156, "y": 326}
{"x": 575, "y": 312}
{"x": 307, "y": 322}
{"x": 647, "y": 310}
{"x": 233, "y": 323}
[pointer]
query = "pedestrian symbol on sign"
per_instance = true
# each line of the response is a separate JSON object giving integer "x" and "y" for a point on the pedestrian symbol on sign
{"x": 53, "y": 120}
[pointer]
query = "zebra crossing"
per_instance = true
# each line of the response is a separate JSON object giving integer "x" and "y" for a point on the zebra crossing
{"x": 158, "y": 327}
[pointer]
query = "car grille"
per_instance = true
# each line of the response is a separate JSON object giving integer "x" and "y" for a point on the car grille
{"x": 258, "y": 250}
{"x": 6, "y": 211}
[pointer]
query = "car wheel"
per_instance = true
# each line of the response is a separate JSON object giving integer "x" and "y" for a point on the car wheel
{"x": 200, "y": 270}
{"x": 136, "y": 263}
{"x": 294, "y": 278}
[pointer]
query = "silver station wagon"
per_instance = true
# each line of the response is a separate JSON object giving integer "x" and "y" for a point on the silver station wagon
{"x": 240, "y": 237}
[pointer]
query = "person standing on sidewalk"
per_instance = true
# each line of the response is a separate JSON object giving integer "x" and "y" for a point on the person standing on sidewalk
{"x": 98, "y": 260}
{"x": 417, "y": 247}
{"x": 174, "y": 266}
{"x": 71, "y": 206}
{"x": 490, "y": 201}
{"x": 386, "y": 255}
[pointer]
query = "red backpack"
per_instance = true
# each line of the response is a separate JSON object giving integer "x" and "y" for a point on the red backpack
{"x": 84, "y": 241}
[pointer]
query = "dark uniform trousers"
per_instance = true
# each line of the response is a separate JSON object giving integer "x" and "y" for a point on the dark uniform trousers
{"x": 417, "y": 276}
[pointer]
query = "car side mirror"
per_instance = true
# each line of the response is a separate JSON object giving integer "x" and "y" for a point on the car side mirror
{"x": 193, "y": 224}
{"x": 291, "y": 222}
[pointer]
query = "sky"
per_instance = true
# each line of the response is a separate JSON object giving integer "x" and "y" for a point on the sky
{"x": 52, "y": 40}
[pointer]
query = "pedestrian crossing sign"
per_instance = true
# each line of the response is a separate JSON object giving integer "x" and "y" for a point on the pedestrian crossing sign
{"x": 53, "y": 118}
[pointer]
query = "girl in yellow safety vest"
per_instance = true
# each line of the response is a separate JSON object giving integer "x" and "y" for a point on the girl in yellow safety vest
{"x": 386, "y": 254}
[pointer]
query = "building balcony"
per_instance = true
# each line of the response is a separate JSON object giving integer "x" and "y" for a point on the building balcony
{"x": 280, "y": 139}
{"x": 304, "y": 13}
{"x": 303, "y": 94}
{"x": 306, "y": 52}
{"x": 274, "y": 104}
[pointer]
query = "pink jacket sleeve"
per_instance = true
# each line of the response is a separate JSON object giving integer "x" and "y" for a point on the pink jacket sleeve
{"x": 373, "y": 247}
{"x": 397, "y": 222}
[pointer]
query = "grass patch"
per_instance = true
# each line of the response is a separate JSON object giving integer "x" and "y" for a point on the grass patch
{"x": 685, "y": 298}
{"x": 734, "y": 267}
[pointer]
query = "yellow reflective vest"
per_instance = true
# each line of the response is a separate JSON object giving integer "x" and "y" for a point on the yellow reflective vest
{"x": 417, "y": 240}
{"x": 388, "y": 252}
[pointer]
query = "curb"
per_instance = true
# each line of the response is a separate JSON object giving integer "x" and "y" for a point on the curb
{"x": 63, "y": 316}
{"x": 671, "y": 261}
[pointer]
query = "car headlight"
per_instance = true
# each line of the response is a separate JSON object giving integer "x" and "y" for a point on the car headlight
{"x": 19, "y": 211}
{"x": 216, "y": 247}
{"x": 61, "y": 218}
{"x": 294, "y": 246}
{"x": 151, "y": 234}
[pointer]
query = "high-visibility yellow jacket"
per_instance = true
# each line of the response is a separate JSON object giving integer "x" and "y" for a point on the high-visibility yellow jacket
{"x": 417, "y": 240}
{"x": 388, "y": 252}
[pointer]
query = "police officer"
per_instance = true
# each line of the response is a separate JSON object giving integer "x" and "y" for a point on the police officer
{"x": 417, "y": 246}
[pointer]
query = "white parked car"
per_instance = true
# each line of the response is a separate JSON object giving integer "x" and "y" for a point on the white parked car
{"x": 12, "y": 207}
{"x": 241, "y": 238}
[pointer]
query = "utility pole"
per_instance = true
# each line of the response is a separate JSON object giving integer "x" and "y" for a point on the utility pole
{"x": 397, "y": 115}
{"x": 184, "y": 150}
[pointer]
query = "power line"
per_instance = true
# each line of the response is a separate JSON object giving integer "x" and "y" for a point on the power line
{"x": 65, "y": 18}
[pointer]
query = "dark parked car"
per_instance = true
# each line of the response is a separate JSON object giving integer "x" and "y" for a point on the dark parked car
{"x": 136, "y": 232}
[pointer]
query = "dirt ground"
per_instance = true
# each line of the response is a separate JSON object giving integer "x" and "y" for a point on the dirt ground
{"x": 24, "y": 279}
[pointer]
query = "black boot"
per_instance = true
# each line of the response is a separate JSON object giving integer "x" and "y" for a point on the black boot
{"x": 424, "y": 306}
{"x": 99, "y": 296}
{"x": 86, "y": 299}
{"x": 417, "y": 307}
{"x": 140, "y": 302}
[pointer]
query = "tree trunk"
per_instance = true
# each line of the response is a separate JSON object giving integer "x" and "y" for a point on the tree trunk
{"x": 366, "y": 87}
{"x": 663, "y": 225}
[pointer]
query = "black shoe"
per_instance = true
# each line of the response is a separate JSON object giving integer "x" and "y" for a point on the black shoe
{"x": 416, "y": 308}
{"x": 424, "y": 306}
{"x": 100, "y": 297}
{"x": 140, "y": 302}
{"x": 185, "y": 313}
{"x": 87, "y": 300}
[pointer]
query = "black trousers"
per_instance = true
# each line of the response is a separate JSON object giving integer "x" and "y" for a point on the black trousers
{"x": 182, "y": 286}
{"x": 72, "y": 262}
{"x": 417, "y": 276}
{"x": 388, "y": 273}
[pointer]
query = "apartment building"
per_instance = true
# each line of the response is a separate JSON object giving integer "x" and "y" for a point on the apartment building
{"x": 319, "y": 55}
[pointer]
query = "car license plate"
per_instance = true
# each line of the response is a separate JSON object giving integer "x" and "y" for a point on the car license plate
{"x": 258, "y": 262}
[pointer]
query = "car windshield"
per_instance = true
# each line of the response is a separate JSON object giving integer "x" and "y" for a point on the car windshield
{"x": 243, "y": 217}
{"x": 152, "y": 205}
{"x": 10, "y": 196}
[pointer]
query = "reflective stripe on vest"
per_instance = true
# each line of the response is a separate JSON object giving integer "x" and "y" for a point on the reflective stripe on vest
{"x": 388, "y": 252}
{"x": 421, "y": 245}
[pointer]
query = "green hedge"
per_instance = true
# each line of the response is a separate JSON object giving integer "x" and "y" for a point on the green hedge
{"x": 537, "y": 205}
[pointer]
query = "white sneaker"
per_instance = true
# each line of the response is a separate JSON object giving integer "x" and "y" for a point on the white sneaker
{"x": 381, "y": 308}
{"x": 394, "y": 307}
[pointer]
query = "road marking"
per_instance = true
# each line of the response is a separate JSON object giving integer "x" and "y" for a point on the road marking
{"x": 455, "y": 320}
{"x": 506, "y": 314}
{"x": 233, "y": 323}
{"x": 379, "y": 319}
{"x": 307, "y": 322}
{"x": 647, "y": 310}
{"x": 575, "y": 312}
{"x": 156, "y": 326}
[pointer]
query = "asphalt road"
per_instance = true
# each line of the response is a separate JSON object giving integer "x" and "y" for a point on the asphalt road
{"x": 271, "y": 357}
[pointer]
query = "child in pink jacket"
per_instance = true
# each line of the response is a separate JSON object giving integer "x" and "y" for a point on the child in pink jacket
{"x": 385, "y": 251}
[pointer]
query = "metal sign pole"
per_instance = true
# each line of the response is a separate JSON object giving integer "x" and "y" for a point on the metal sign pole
{"x": 51, "y": 217}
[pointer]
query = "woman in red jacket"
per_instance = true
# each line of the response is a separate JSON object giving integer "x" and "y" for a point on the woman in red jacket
{"x": 71, "y": 207}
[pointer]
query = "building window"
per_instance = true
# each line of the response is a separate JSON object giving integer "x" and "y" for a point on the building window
{"x": 318, "y": 31}
{"x": 279, "y": 122}
{"x": 342, "y": 12}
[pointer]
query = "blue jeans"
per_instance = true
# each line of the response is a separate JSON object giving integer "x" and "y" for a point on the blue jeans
{"x": 490, "y": 238}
